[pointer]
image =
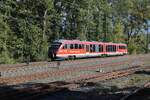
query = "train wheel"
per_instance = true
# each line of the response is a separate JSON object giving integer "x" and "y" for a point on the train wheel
{"x": 74, "y": 57}
{"x": 71, "y": 57}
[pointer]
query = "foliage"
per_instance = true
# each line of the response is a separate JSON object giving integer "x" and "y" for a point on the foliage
{"x": 27, "y": 27}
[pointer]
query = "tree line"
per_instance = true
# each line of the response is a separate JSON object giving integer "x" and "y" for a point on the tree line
{"x": 27, "y": 27}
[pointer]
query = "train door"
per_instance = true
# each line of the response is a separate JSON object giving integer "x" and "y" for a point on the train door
{"x": 87, "y": 49}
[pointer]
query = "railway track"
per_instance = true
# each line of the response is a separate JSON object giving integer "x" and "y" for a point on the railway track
{"x": 66, "y": 71}
{"x": 6, "y": 67}
{"x": 48, "y": 68}
{"x": 115, "y": 74}
{"x": 38, "y": 91}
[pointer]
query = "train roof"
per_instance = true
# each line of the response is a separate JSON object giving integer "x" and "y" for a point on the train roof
{"x": 78, "y": 41}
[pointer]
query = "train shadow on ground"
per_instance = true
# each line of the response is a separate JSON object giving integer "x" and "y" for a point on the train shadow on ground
{"x": 42, "y": 91}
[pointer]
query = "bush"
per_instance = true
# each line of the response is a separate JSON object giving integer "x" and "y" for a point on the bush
{"x": 5, "y": 58}
{"x": 132, "y": 47}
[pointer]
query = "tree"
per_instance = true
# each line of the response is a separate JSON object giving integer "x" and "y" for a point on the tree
{"x": 27, "y": 27}
{"x": 118, "y": 35}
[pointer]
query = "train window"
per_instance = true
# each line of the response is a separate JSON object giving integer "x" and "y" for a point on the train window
{"x": 111, "y": 48}
{"x": 76, "y": 46}
{"x": 91, "y": 48}
{"x": 119, "y": 47}
{"x": 100, "y": 48}
{"x": 55, "y": 45}
{"x": 66, "y": 46}
{"x": 107, "y": 48}
{"x": 114, "y": 48}
{"x": 94, "y": 48}
{"x": 97, "y": 48}
{"x": 122, "y": 47}
{"x": 87, "y": 48}
{"x": 80, "y": 46}
{"x": 71, "y": 46}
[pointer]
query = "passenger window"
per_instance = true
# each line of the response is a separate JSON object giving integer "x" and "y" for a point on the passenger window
{"x": 109, "y": 48}
{"x": 114, "y": 48}
{"x": 65, "y": 46}
{"x": 97, "y": 48}
{"x": 71, "y": 46}
{"x": 87, "y": 48}
{"x": 122, "y": 47}
{"x": 94, "y": 49}
{"x": 91, "y": 48}
{"x": 100, "y": 48}
{"x": 119, "y": 47}
{"x": 125, "y": 47}
{"x": 68, "y": 46}
{"x": 80, "y": 46}
{"x": 76, "y": 46}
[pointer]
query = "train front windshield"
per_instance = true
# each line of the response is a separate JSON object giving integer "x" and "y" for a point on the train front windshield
{"x": 53, "y": 49}
{"x": 55, "y": 46}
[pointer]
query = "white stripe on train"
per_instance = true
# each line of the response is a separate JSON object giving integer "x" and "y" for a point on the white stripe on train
{"x": 89, "y": 55}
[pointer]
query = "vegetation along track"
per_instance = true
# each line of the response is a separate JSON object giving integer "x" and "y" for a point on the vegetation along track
{"x": 36, "y": 91}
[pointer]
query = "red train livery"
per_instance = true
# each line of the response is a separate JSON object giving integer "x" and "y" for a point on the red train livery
{"x": 79, "y": 49}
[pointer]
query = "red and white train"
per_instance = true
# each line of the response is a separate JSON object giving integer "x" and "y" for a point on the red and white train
{"x": 79, "y": 49}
